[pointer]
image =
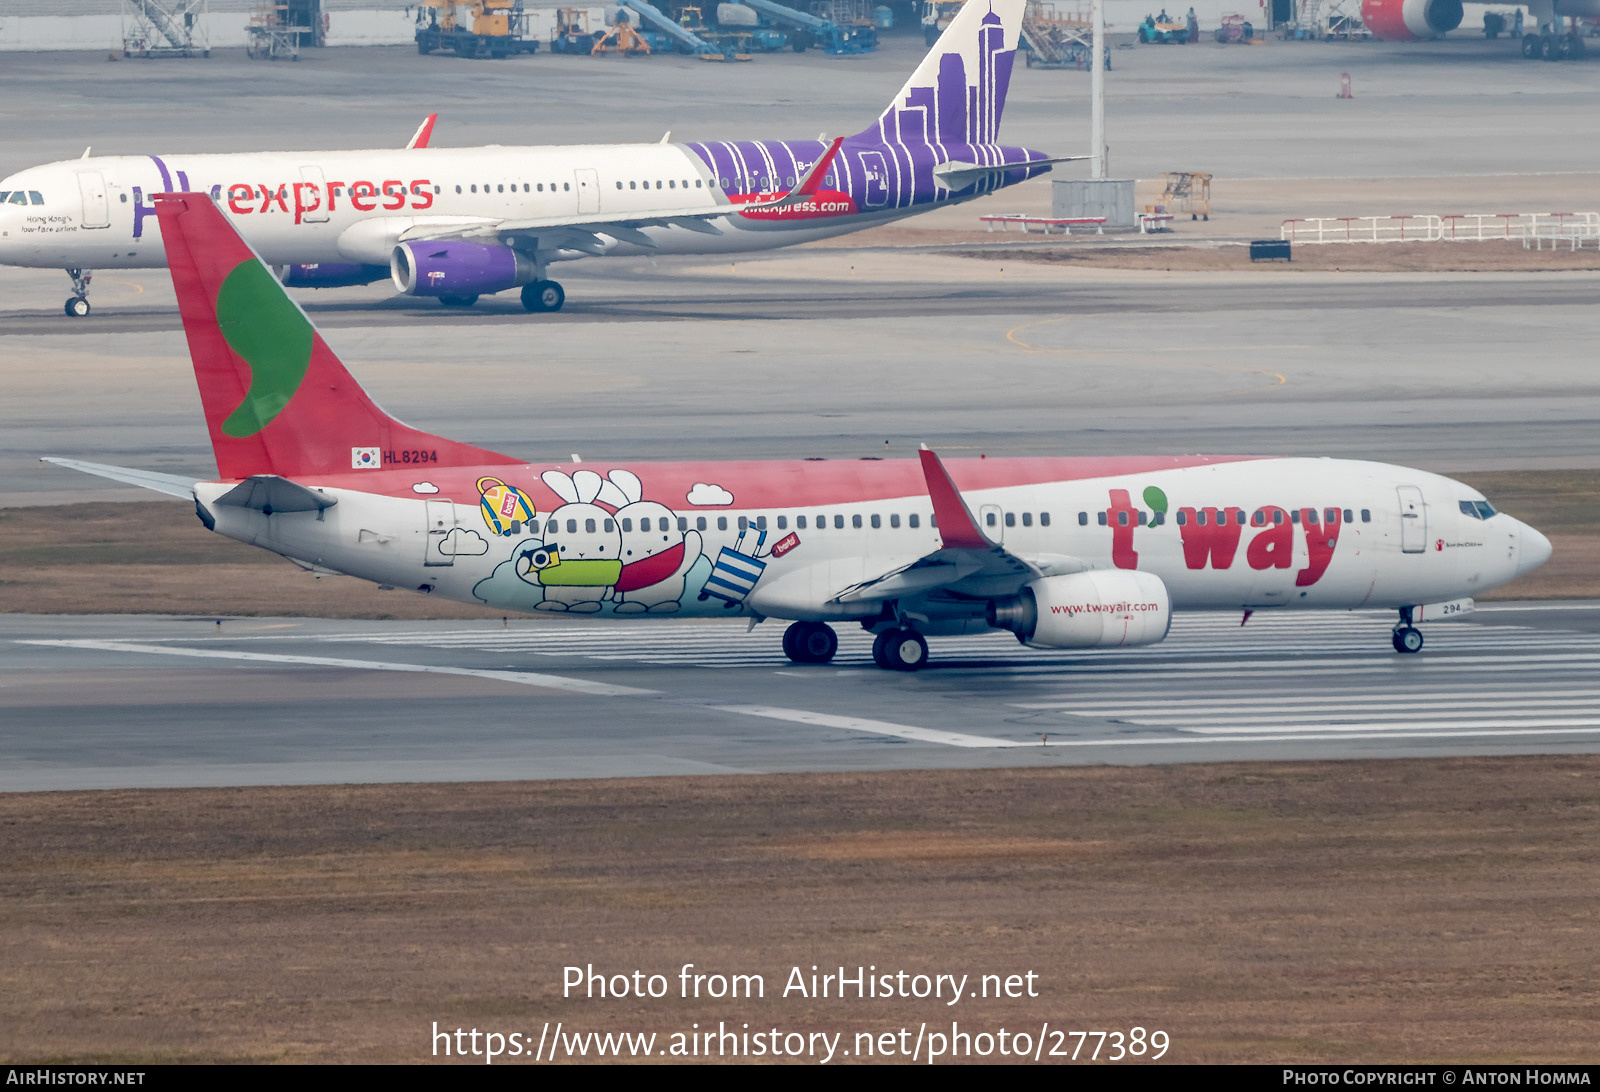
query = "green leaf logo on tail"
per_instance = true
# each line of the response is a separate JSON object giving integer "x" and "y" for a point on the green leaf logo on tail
{"x": 264, "y": 327}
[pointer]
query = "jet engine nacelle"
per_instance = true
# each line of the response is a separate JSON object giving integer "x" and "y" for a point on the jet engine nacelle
{"x": 1101, "y": 609}
{"x": 458, "y": 269}
{"x": 1405, "y": 20}
{"x": 331, "y": 275}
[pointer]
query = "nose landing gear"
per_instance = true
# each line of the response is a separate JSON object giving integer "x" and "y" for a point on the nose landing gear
{"x": 77, "y": 305}
{"x": 1407, "y": 638}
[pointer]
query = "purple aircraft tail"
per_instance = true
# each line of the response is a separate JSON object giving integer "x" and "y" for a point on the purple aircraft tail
{"x": 957, "y": 93}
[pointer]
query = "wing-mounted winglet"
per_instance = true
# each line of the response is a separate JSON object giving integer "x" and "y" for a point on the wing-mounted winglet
{"x": 808, "y": 185}
{"x": 419, "y": 139}
{"x": 957, "y": 529}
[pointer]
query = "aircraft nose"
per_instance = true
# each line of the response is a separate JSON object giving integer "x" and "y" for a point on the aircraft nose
{"x": 1533, "y": 550}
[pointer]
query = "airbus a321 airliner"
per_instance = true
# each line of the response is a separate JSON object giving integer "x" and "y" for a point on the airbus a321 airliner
{"x": 454, "y": 224}
{"x": 1062, "y": 552}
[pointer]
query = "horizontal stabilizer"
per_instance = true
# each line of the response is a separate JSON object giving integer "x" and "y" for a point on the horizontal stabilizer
{"x": 173, "y": 485}
{"x": 269, "y": 493}
{"x": 958, "y": 175}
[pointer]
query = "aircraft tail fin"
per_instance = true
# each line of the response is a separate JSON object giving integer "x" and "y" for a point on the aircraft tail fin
{"x": 276, "y": 398}
{"x": 958, "y": 92}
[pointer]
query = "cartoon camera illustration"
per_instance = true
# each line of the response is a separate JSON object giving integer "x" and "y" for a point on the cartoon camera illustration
{"x": 535, "y": 559}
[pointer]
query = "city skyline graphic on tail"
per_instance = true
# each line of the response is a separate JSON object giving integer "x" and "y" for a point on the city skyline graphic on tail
{"x": 1061, "y": 552}
{"x": 457, "y": 224}
{"x": 947, "y": 114}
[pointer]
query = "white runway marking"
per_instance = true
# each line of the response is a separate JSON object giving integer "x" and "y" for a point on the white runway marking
{"x": 525, "y": 678}
{"x": 876, "y": 727}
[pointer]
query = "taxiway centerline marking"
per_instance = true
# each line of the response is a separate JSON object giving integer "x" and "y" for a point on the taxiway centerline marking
{"x": 524, "y": 678}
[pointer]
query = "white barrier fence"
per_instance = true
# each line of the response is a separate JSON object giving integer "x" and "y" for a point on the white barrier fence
{"x": 1532, "y": 229}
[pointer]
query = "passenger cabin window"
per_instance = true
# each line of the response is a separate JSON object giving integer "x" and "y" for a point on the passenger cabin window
{"x": 799, "y": 521}
{"x": 877, "y": 522}
{"x": 783, "y": 523}
{"x": 838, "y": 523}
{"x": 855, "y": 521}
{"x": 744, "y": 524}
{"x": 1366, "y": 515}
{"x": 722, "y": 523}
{"x": 911, "y": 520}
{"x": 1011, "y": 519}
{"x": 894, "y": 519}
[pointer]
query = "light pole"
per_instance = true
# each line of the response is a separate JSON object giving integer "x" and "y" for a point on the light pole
{"x": 1097, "y": 95}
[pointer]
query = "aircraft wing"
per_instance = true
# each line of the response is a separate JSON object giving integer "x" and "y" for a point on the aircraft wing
{"x": 968, "y": 562}
{"x": 173, "y": 485}
{"x": 582, "y": 231}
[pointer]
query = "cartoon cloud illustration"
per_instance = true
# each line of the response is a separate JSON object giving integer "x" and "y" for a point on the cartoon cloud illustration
{"x": 461, "y": 542}
{"x": 708, "y": 493}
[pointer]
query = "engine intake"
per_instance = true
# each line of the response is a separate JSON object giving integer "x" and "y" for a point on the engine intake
{"x": 1115, "y": 609}
{"x": 458, "y": 269}
{"x": 1405, "y": 20}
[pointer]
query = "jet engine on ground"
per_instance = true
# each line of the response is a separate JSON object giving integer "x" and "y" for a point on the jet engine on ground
{"x": 1101, "y": 609}
{"x": 458, "y": 270}
{"x": 1404, "y": 20}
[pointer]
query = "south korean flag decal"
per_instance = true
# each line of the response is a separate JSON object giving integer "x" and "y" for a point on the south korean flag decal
{"x": 365, "y": 458}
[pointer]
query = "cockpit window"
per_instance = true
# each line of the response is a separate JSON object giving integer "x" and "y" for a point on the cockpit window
{"x": 3, "y": 195}
{"x": 38, "y": 198}
{"x": 20, "y": 198}
{"x": 1477, "y": 509}
{"x": 1485, "y": 509}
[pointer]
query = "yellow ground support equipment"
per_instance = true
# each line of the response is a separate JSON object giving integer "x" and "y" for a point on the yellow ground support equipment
{"x": 623, "y": 39}
{"x": 1187, "y": 191}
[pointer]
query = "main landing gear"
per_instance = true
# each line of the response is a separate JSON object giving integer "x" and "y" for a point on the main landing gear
{"x": 810, "y": 642}
{"x": 899, "y": 650}
{"x": 1407, "y": 638}
{"x": 77, "y": 304}
{"x": 543, "y": 296}
{"x": 1552, "y": 47}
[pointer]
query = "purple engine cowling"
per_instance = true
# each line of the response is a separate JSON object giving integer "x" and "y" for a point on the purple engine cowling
{"x": 458, "y": 269}
{"x": 331, "y": 275}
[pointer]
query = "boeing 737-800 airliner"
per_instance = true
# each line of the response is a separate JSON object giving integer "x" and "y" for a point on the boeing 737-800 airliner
{"x": 455, "y": 224}
{"x": 1062, "y": 552}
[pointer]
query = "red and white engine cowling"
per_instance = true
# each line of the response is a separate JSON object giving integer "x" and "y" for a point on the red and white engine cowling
{"x": 1406, "y": 20}
{"x": 458, "y": 269}
{"x": 1102, "y": 609}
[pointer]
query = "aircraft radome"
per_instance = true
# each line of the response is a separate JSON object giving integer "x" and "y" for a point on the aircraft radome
{"x": 457, "y": 223}
{"x": 1062, "y": 552}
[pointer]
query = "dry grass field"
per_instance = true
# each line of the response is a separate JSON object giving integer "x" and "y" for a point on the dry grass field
{"x": 1438, "y": 910}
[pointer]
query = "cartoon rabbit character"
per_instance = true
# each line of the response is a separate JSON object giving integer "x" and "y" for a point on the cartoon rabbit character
{"x": 656, "y": 556}
{"x": 586, "y": 543}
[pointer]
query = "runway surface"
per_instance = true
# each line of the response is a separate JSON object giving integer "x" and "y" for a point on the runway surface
{"x": 151, "y": 702}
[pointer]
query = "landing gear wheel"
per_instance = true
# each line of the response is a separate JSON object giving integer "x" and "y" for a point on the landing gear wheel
{"x": 1408, "y": 639}
{"x": 899, "y": 650}
{"x": 1530, "y": 46}
{"x": 543, "y": 296}
{"x": 457, "y": 301}
{"x": 810, "y": 642}
{"x": 1550, "y": 47}
{"x": 77, "y": 307}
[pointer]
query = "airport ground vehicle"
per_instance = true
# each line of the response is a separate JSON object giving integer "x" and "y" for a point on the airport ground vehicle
{"x": 496, "y": 30}
{"x": 1061, "y": 552}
